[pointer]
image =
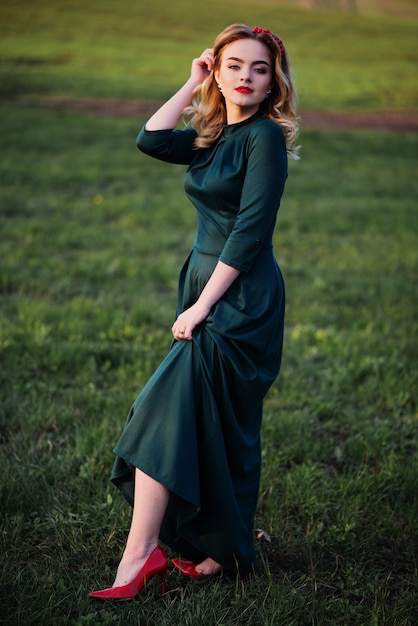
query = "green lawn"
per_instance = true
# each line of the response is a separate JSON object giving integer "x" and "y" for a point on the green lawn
{"x": 93, "y": 234}
{"x": 143, "y": 49}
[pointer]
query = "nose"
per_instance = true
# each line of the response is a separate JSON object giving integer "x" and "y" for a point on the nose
{"x": 245, "y": 75}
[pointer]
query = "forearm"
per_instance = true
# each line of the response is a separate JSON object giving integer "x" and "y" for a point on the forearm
{"x": 222, "y": 278}
{"x": 168, "y": 116}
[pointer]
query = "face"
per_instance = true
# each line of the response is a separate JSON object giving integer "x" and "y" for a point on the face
{"x": 245, "y": 74}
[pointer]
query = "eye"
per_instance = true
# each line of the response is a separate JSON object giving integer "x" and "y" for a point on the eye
{"x": 233, "y": 67}
{"x": 260, "y": 70}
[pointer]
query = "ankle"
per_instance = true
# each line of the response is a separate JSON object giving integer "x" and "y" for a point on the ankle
{"x": 138, "y": 552}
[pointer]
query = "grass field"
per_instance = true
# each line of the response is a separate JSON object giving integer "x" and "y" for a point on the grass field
{"x": 92, "y": 237}
{"x": 342, "y": 60}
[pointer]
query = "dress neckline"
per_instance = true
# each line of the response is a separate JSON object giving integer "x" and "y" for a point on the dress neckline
{"x": 230, "y": 129}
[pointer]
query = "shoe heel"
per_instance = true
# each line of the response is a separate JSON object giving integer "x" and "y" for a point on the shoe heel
{"x": 163, "y": 574}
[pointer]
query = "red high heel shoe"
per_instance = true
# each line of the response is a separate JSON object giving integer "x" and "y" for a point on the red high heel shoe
{"x": 156, "y": 563}
{"x": 188, "y": 568}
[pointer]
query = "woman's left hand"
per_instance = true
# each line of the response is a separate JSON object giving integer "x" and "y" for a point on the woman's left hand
{"x": 188, "y": 320}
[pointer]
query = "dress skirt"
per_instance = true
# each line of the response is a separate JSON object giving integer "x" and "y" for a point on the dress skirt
{"x": 195, "y": 427}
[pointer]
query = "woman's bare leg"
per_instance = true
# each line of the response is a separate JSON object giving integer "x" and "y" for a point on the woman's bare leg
{"x": 150, "y": 504}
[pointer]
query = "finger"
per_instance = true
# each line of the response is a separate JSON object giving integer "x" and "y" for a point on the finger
{"x": 178, "y": 332}
{"x": 205, "y": 63}
{"x": 185, "y": 334}
{"x": 207, "y": 58}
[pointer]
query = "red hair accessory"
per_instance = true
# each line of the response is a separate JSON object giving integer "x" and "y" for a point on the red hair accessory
{"x": 279, "y": 42}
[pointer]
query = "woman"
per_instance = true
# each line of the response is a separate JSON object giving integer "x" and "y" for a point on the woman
{"x": 189, "y": 457}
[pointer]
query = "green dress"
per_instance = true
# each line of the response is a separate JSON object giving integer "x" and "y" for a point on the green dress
{"x": 195, "y": 427}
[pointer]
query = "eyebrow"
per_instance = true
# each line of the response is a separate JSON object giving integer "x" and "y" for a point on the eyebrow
{"x": 253, "y": 63}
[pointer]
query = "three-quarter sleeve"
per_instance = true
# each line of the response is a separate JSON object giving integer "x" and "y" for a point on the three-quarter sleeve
{"x": 172, "y": 146}
{"x": 264, "y": 181}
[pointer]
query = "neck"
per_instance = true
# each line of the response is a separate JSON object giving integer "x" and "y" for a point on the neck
{"x": 235, "y": 114}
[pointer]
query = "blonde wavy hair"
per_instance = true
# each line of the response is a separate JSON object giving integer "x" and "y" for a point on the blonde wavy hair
{"x": 207, "y": 113}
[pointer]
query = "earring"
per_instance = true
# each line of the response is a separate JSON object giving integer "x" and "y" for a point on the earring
{"x": 268, "y": 93}
{"x": 219, "y": 87}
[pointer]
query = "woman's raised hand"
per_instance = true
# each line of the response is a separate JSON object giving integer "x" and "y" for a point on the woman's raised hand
{"x": 170, "y": 113}
{"x": 202, "y": 66}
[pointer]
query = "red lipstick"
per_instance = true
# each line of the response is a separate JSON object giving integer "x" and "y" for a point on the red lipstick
{"x": 244, "y": 90}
